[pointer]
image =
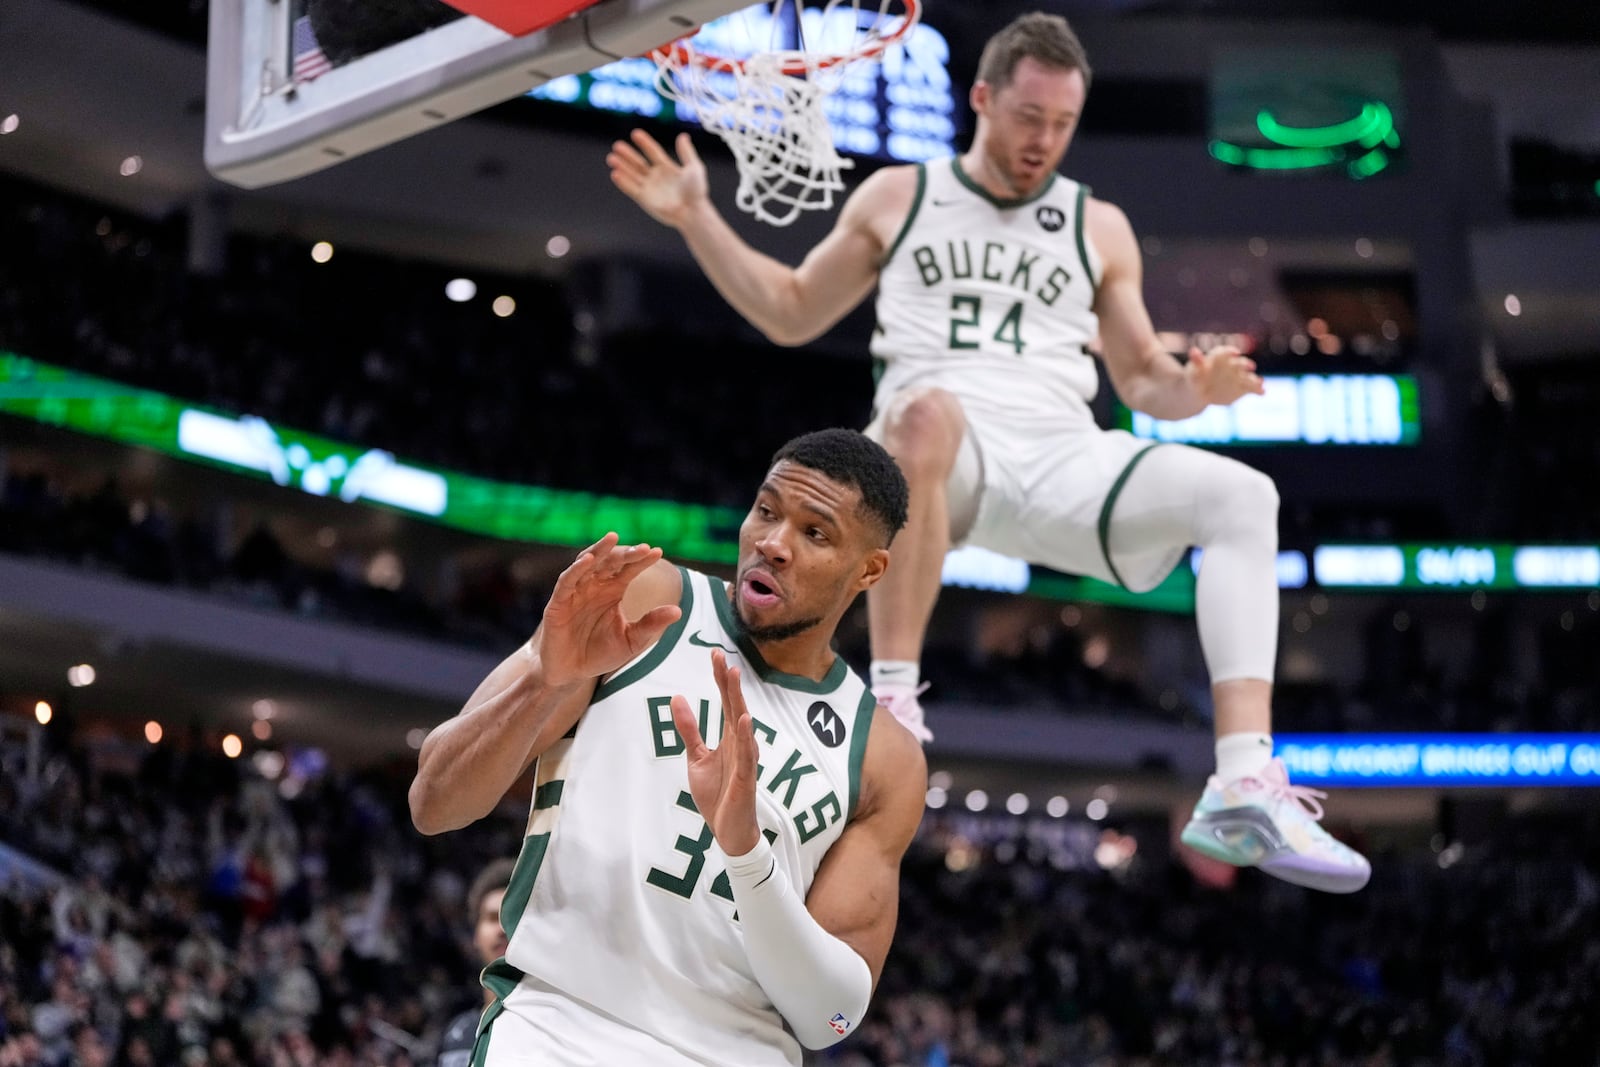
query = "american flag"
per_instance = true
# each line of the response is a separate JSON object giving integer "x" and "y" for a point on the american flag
{"x": 309, "y": 62}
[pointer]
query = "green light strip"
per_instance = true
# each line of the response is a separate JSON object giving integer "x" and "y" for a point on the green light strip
{"x": 324, "y": 467}
{"x": 254, "y": 448}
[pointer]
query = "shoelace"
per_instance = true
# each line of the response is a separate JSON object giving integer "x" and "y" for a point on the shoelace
{"x": 1276, "y": 782}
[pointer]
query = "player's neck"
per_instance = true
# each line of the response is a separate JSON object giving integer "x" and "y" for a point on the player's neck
{"x": 807, "y": 655}
{"x": 977, "y": 166}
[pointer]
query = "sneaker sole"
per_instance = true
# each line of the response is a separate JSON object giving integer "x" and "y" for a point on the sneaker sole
{"x": 1248, "y": 838}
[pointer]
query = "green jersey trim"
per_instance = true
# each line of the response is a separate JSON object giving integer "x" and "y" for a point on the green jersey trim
{"x": 523, "y": 876}
{"x": 659, "y": 652}
{"x": 911, "y": 216}
{"x": 858, "y": 748}
{"x": 1003, "y": 205}
{"x": 747, "y": 648}
{"x": 1083, "y": 248}
{"x": 1111, "y": 502}
{"x": 499, "y": 978}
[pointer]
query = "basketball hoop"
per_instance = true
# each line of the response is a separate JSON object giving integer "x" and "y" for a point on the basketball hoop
{"x": 768, "y": 106}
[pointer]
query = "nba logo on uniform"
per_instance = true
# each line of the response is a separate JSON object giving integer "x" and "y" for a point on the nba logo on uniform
{"x": 839, "y": 1023}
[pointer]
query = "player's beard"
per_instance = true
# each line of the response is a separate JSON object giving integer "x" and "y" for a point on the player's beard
{"x": 778, "y": 631}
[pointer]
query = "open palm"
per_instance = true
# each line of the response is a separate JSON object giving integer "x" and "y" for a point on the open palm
{"x": 722, "y": 780}
{"x": 668, "y": 189}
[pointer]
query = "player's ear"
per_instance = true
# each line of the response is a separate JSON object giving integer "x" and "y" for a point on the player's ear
{"x": 873, "y": 567}
{"x": 979, "y": 97}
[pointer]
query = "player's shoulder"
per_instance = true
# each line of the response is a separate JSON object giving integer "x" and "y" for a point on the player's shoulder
{"x": 1098, "y": 211}
{"x": 894, "y": 772}
{"x": 887, "y": 188}
{"x": 658, "y": 585}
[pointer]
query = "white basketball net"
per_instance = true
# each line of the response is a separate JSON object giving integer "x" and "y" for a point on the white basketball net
{"x": 769, "y": 107}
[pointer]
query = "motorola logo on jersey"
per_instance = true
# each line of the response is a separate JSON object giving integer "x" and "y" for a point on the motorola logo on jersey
{"x": 1051, "y": 218}
{"x": 826, "y": 724}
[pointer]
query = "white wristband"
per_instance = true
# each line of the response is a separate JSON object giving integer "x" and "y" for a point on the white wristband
{"x": 819, "y": 984}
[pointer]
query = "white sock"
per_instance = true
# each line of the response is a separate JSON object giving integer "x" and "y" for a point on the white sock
{"x": 1242, "y": 755}
{"x": 899, "y": 673}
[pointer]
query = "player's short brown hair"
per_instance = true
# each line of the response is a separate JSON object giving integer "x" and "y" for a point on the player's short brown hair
{"x": 1047, "y": 39}
{"x": 497, "y": 875}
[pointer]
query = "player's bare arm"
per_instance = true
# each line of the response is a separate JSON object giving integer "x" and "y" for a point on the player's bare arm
{"x": 856, "y": 894}
{"x": 790, "y": 305}
{"x": 1144, "y": 374}
{"x": 613, "y": 602}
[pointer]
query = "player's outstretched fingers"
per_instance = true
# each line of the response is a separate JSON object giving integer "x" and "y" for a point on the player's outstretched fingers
{"x": 653, "y": 152}
{"x": 694, "y": 746}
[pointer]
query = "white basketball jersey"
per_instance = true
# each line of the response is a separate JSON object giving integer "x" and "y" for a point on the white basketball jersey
{"x": 620, "y": 899}
{"x": 991, "y": 299}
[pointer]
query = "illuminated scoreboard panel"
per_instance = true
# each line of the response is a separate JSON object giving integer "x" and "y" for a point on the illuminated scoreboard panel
{"x": 900, "y": 109}
{"x": 1301, "y": 409}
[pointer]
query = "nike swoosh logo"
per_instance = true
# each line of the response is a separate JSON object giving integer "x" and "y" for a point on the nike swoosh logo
{"x": 944, "y": 203}
{"x": 696, "y": 639}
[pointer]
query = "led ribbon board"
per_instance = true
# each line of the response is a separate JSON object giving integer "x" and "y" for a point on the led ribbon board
{"x": 252, "y": 446}
{"x": 1453, "y": 567}
{"x": 1441, "y": 760}
{"x": 1302, "y": 409}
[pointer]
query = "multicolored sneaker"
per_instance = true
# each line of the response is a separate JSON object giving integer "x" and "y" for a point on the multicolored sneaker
{"x": 1263, "y": 821}
{"x": 901, "y": 700}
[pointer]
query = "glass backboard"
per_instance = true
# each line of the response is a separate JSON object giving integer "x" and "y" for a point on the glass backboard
{"x": 281, "y": 104}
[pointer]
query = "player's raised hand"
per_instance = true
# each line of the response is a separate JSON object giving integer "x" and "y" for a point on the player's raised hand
{"x": 585, "y": 632}
{"x": 668, "y": 189}
{"x": 1224, "y": 374}
{"x": 722, "y": 780}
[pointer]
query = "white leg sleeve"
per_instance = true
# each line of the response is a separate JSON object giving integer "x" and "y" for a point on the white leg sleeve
{"x": 1184, "y": 496}
{"x": 819, "y": 984}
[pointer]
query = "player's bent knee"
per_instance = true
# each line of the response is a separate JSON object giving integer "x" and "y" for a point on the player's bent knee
{"x": 924, "y": 427}
{"x": 1247, "y": 501}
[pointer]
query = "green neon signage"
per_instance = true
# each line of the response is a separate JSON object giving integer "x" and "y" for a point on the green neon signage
{"x": 1361, "y": 144}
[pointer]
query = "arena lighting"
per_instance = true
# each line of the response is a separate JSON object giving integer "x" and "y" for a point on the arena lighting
{"x": 261, "y": 730}
{"x": 9, "y": 124}
{"x": 152, "y": 732}
{"x": 937, "y": 797}
{"x": 263, "y": 709}
{"x": 1017, "y": 804}
{"x": 1513, "y": 305}
{"x": 43, "y": 712}
{"x": 977, "y": 800}
{"x": 321, "y": 252}
{"x": 504, "y": 307}
{"x": 461, "y": 290}
{"x": 1057, "y": 807}
{"x": 131, "y": 166}
{"x": 232, "y": 746}
{"x": 557, "y": 246}
{"x": 1096, "y": 809}
{"x": 80, "y": 676}
{"x": 415, "y": 736}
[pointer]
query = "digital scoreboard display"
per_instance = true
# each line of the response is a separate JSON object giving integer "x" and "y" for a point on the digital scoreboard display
{"x": 1302, "y": 409}
{"x": 899, "y": 109}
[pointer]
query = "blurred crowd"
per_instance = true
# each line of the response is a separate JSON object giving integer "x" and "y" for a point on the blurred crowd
{"x": 179, "y": 908}
{"x": 162, "y": 906}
